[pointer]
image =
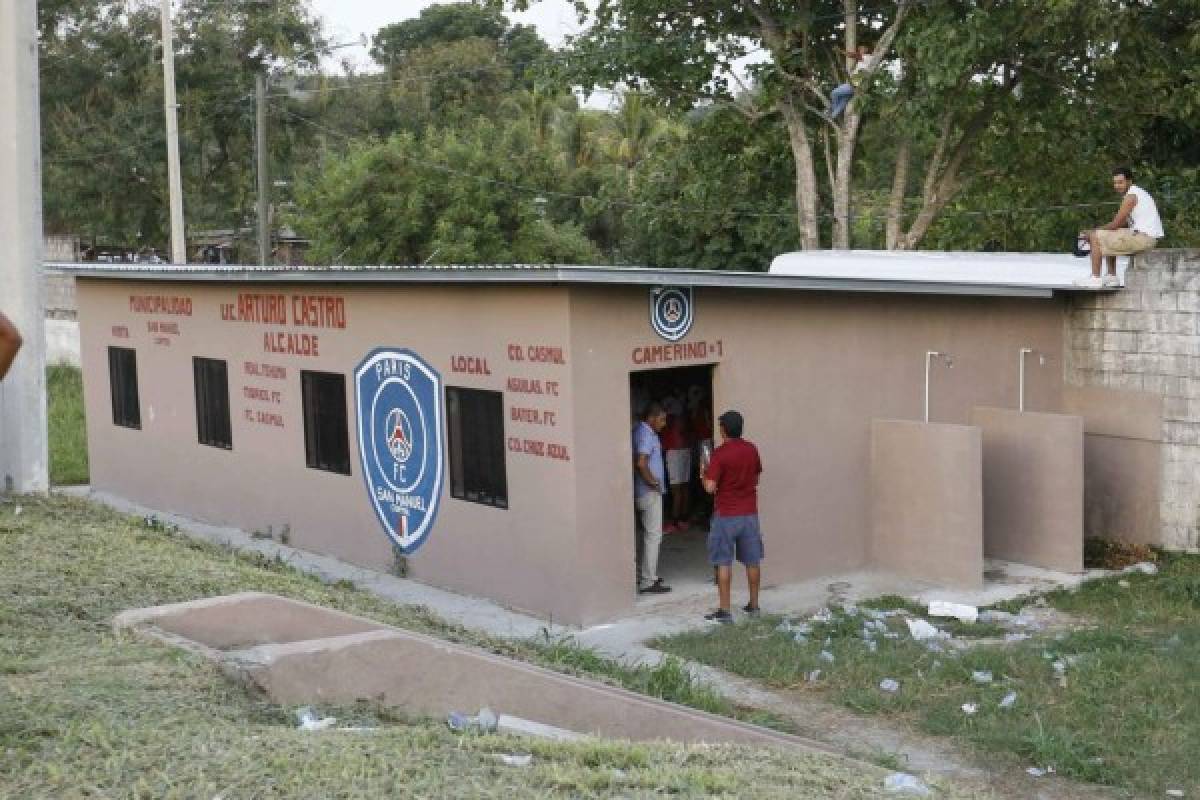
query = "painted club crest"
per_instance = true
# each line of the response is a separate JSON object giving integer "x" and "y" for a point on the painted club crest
{"x": 400, "y": 421}
{"x": 671, "y": 312}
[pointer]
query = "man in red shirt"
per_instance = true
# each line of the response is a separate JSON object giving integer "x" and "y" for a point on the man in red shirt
{"x": 732, "y": 476}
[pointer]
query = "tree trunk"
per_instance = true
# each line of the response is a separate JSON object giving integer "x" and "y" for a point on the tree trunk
{"x": 806, "y": 177}
{"x": 895, "y": 209}
{"x": 847, "y": 139}
{"x": 942, "y": 181}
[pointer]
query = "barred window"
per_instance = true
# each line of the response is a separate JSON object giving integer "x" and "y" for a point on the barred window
{"x": 476, "y": 432}
{"x": 326, "y": 437}
{"x": 211, "y": 378}
{"x": 122, "y": 380}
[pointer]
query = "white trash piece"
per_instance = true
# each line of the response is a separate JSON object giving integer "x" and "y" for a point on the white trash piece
{"x": 515, "y": 760}
{"x": 309, "y": 721}
{"x": 1010, "y": 638}
{"x": 1040, "y": 773}
{"x": 1144, "y": 567}
{"x": 889, "y": 685}
{"x": 1174, "y": 792}
{"x": 903, "y": 783}
{"x": 1009, "y": 700}
{"x": 969, "y": 708}
{"x": 960, "y": 611}
{"x": 826, "y": 656}
{"x": 813, "y": 676}
{"x": 981, "y": 676}
{"x": 921, "y": 630}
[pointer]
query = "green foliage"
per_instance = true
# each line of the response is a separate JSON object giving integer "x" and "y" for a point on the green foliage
{"x": 697, "y": 200}
{"x": 448, "y": 197}
{"x": 102, "y": 118}
{"x": 442, "y": 26}
{"x": 67, "y": 426}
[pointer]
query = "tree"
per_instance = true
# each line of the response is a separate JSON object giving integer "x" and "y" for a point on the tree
{"x": 720, "y": 198}
{"x": 460, "y": 196}
{"x": 443, "y": 25}
{"x": 941, "y": 74}
{"x": 103, "y": 129}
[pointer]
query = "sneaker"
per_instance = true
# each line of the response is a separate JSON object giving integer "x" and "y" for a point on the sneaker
{"x": 658, "y": 587}
{"x": 1111, "y": 282}
{"x": 1090, "y": 282}
{"x": 752, "y": 611}
{"x": 720, "y": 616}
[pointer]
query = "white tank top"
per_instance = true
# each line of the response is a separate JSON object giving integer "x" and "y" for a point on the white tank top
{"x": 1144, "y": 217}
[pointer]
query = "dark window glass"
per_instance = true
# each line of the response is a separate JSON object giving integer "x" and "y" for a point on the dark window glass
{"x": 326, "y": 437}
{"x": 212, "y": 402}
{"x": 476, "y": 422}
{"x": 122, "y": 380}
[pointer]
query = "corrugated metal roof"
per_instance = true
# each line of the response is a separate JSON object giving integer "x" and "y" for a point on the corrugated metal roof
{"x": 996, "y": 283}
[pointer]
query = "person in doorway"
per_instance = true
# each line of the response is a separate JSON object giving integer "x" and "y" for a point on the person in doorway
{"x": 732, "y": 477}
{"x": 840, "y": 97}
{"x": 10, "y": 343}
{"x": 676, "y": 444}
{"x": 1136, "y": 228}
{"x": 649, "y": 483}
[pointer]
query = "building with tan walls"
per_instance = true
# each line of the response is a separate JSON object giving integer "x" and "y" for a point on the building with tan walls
{"x": 471, "y": 425}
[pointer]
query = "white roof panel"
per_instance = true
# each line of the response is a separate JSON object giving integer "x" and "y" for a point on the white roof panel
{"x": 1031, "y": 270}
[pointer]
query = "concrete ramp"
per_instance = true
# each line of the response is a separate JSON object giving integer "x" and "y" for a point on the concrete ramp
{"x": 298, "y": 653}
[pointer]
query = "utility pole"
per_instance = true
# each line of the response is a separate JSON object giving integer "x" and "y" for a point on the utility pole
{"x": 171, "y": 107}
{"x": 260, "y": 147}
{"x": 23, "y": 454}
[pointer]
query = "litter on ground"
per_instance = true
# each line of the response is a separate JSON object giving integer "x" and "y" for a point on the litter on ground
{"x": 981, "y": 676}
{"x": 959, "y": 611}
{"x": 921, "y": 630}
{"x": 969, "y": 708}
{"x": 889, "y": 685}
{"x": 903, "y": 783}
{"x": 1009, "y": 700}
{"x": 515, "y": 760}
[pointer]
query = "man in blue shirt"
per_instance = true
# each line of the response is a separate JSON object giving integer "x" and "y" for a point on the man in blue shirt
{"x": 649, "y": 483}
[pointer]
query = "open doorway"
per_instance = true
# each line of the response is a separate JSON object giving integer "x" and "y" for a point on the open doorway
{"x": 687, "y": 395}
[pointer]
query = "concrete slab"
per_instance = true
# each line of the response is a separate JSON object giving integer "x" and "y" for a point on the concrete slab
{"x": 1032, "y": 487}
{"x": 420, "y": 674}
{"x": 927, "y": 501}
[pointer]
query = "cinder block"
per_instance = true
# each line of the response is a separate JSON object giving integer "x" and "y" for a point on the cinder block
{"x": 1188, "y": 301}
{"x": 1166, "y": 385}
{"x": 1160, "y": 300}
{"x": 1179, "y": 432}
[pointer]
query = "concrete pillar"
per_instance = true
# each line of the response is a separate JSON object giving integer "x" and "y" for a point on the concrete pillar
{"x": 23, "y": 455}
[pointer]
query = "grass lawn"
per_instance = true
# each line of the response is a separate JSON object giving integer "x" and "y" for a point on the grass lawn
{"x": 67, "y": 431}
{"x": 1125, "y": 711}
{"x": 88, "y": 713}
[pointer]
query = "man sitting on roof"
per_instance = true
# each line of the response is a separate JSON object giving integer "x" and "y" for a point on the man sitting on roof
{"x": 1135, "y": 229}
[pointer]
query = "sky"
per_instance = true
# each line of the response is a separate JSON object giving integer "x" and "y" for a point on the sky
{"x": 347, "y": 20}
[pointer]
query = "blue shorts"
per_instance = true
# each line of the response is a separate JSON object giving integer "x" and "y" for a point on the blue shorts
{"x": 735, "y": 536}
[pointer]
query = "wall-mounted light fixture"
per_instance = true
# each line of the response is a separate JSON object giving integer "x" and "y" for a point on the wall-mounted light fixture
{"x": 929, "y": 357}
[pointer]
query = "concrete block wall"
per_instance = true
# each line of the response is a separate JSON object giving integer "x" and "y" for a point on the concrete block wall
{"x": 1145, "y": 339}
{"x": 60, "y": 295}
